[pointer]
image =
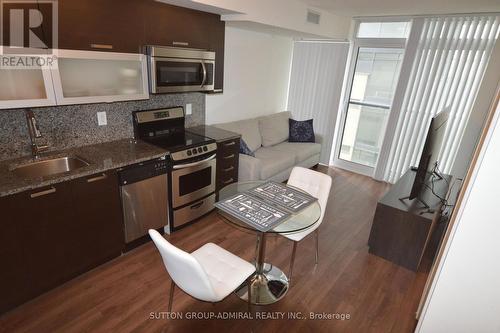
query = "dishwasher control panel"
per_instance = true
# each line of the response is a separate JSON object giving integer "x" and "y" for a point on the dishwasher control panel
{"x": 161, "y": 166}
{"x": 144, "y": 170}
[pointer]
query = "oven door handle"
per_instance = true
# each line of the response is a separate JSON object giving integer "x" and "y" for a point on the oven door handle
{"x": 188, "y": 165}
{"x": 204, "y": 74}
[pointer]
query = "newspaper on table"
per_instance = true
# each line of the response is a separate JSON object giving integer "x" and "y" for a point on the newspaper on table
{"x": 266, "y": 206}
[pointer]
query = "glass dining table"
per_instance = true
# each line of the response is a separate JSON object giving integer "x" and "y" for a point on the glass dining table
{"x": 269, "y": 284}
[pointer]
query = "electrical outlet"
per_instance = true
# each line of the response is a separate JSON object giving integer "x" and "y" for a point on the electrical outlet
{"x": 102, "y": 120}
{"x": 189, "y": 109}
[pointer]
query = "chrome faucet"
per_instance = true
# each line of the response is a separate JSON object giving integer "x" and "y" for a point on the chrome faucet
{"x": 34, "y": 133}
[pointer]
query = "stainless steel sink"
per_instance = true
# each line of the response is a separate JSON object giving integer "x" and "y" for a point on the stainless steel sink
{"x": 49, "y": 167}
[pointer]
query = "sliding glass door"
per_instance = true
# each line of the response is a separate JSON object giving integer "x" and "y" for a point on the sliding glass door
{"x": 376, "y": 61}
{"x": 375, "y": 79}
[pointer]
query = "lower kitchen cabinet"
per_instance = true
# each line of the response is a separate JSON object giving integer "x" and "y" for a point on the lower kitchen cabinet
{"x": 51, "y": 235}
{"x": 46, "y": 234}
{"x": 227, "y": 162}
{"x": 97, "y": 221}
{"x": 15, "y": 284}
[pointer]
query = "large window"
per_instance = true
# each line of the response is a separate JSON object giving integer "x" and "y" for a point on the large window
{"x": 403, "y": 73}
{"x": 384, "y": 29}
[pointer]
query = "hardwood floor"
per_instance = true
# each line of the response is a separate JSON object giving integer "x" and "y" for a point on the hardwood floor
{"x": 130, "y": 293}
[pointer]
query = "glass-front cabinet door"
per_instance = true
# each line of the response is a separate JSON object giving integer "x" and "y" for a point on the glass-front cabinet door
{"x": 25, "y": 86}
{"x": 92, "y": 77}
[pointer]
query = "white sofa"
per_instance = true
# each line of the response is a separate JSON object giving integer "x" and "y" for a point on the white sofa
{"x": 267, "y": 138}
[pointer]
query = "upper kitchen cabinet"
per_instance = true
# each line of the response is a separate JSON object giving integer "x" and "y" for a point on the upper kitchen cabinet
{"x": 25, "y": 87}
{"x": 128, "y": 25}
{"x": 177, "y": 26}
{"x": 93, "y": 77}
{"x": 110, "y": 25}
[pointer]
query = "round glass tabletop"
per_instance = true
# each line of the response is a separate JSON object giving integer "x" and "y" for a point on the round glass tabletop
{"x": 296, "y": 222}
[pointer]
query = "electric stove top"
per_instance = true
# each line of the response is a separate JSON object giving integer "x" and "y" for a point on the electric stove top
{"x": 165, "y": 128}
{"x": 177, "y": 141}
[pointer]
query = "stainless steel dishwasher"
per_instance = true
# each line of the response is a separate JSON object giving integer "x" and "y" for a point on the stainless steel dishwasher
{"x": 144, "y": 193}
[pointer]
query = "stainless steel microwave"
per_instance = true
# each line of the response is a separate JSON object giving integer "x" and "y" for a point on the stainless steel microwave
{"x": 173, "y": 69}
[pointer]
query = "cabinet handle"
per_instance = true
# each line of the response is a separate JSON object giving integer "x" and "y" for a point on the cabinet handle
{"x": 228, "y": 169}
{"x": 229, "y": 144}
{"x": 42, "y": 193}
{"x": 102, "y": 46}
{"x": 228, "y": 157}
{"x": 197, "y": 205}
{"x": 180, "y": 43}
{"x": 230, "y": 180}
{"x": 98, "y": 178}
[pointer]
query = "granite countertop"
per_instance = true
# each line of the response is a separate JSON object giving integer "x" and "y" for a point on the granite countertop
{"x": 212, "y": 132}
{"x": 102, "y": 157}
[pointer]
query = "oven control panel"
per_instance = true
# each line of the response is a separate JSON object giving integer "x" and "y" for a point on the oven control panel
{"x": 193, "y": 152}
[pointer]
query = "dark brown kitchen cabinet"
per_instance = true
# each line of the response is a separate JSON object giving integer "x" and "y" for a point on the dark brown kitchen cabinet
{"x": 97, "y": 220}
{"x": 129, "y": 25}
{"x": 34, "y": 257}
{"x": 110, "y": 25}
{"x": 227, "y": 162}
{"x": 178, "y": 26}
{"x": 15, "y": 284}
{"x": 54, "y": 233}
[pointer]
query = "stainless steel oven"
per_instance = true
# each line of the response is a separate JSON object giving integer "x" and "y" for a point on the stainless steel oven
{"x": 191, "y": 167}
{"x": 192, "y": 181}
{"x": 173, "y": 69}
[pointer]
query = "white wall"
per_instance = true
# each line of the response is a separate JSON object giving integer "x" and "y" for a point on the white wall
{"x": 285, "y": 14}
{"x": 465, "y": 294}
{"x": 484, "y": 99}
{"x": 256, "y": 75}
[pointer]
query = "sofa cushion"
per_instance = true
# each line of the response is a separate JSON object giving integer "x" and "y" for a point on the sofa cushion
{"x": 274, "y": 128}
{"x": 249, "y": 168}
{"x": 249, "y": 130}
{"x": 273, "y": 161}
{"x": 300, "y": 150}
{"x": 301, "y": 131}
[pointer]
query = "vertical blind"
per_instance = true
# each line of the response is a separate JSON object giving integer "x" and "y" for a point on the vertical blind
{"x": 451, "y": 58}
{"x": 315, "y": 87}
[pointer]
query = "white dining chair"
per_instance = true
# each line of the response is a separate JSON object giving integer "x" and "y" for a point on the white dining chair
{"x": 318, "y": 185}
{"x": 209, "y": 274}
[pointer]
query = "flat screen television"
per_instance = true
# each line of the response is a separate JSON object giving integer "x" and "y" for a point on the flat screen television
{"x": 430, "y": 153}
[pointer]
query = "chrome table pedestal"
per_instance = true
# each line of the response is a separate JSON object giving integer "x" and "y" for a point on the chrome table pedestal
{"x": 269, "y": 284}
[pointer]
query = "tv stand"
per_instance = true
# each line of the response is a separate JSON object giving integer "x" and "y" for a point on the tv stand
{"x": 401, "y": 228}
{"x": 418, "y": 199}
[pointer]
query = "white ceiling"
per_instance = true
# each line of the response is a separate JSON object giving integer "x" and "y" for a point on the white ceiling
{"x": 404, "y": 7}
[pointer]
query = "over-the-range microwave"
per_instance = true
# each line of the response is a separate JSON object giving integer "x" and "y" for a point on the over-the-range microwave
{"x": 173, "y": 69}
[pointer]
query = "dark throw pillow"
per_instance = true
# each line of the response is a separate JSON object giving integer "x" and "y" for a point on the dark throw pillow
{"x": 301, "y": 131}
{"x": 244, "y": 148}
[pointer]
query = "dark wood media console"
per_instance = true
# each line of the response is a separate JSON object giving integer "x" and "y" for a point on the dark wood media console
{"x": 402, "y": 229}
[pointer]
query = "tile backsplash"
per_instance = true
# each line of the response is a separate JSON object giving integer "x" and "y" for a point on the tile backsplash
{"x": 76, "y": 125}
